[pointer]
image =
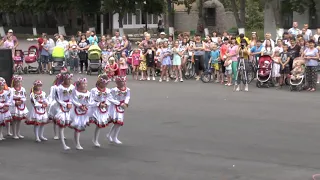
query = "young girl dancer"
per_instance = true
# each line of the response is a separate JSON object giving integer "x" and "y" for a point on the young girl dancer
{"x": 80, "y": 114}
{"x": 120, "y": 101}
{"x": 38, "y": 116}
{"x": 5, "y": 103}
{"x": 18, "y": 108}
{"x": 53, "y": 103}
{"x": 99, "y": 101}
{"x": 64, "y": 94}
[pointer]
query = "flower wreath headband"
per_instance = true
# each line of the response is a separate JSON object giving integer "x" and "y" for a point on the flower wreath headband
{"x": 67, "y": 76}
{"x": 121, "y": 79}
{"x": 37, "y": 83}
{"x": 82, "y": 80}
{"x": 16, "y": 78}
{"x": 102, "y": 80}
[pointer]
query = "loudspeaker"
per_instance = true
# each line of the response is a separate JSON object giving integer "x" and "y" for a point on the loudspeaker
{"x": 6, "y": 65}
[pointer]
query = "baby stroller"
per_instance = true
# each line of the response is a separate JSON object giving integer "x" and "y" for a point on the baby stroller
{"x": 94, "y": 56}
{"x": 297, "y": 79}
{"x": 32, "y": 60}
{"x": 58, "y": 60}
{"x": 264, "y": 72}
{"x": 18, "y": 62}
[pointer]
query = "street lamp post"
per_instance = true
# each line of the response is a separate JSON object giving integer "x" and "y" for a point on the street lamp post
{"x": 145, "y": 5}
{"x": 102, "y": 19}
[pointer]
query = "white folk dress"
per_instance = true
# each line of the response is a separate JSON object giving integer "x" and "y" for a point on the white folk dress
{"x": 5, "y": 101}
{"x": 100, "y": 116}
{"x": 19, "y": 112}
{"x": 64, "y": 97}
{"x": 80, "y": 118}
{"x": 53, "y": 105}
{"x": 38, "y": 114}
{"x": 116, "y": 112}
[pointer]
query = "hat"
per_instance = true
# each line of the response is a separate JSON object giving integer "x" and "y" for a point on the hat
{"x": 10, "y": 31}
{"x": 162, "y": 33}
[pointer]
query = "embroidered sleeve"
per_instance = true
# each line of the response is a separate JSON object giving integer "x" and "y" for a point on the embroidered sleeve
{"x": 52, "y": 94}
{"x": 76, "y": 99}
{"x": 9, "y": 99}
{"x": 23, "y": 97}
{"x": 34, "y": 101}
{"x": 60, "y": 93}
{"x": 93, "y": 98}
{"x": 127, "y": 99}
{"x": 111, "y": 97}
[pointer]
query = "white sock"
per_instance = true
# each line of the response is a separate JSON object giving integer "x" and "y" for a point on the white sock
{"x": 36, "y": 132}
{"x": 116, "y": 133}
{"x": 18, "y": 123}
{"x": 61, "y": 131}
{"x": 77, "y": 139}
{"x": 55, "y": 130}
{"x": 14, "y": 128}
{"x": 41, "y": 132}
{"x": 1, "y": 134}
{"x": 111, "y": 133}
{"x": 8, "y": 125}
{"x": 96, "y": 136}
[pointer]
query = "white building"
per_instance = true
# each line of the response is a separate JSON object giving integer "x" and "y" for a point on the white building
{"x": 133, "y": 22}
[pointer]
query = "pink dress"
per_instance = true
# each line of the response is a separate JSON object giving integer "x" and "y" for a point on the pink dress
{"x": 136, "y": 59}
{"x": 123, "y": 66}
{"x": 233, "y": 50}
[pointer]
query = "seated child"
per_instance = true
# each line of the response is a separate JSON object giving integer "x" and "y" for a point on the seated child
{"x": 297, "y": 71}
{"x": 17, "y": 59}
{"x": 112, "y": 69}
{"x": 265, "y": 70}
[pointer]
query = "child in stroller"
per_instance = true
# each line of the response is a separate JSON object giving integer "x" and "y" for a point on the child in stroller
{"x": 264, "y": 70}
{"x": 18, "y": 61}
{"x": 298, "y": 70}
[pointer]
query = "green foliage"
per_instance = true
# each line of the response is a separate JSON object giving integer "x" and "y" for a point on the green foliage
{"x": 254, "y": 15}
{"x": 7, "y": 5}
{"x": 120, "y": 6}
{"x": 153, "y": 6}
{"x": 87, "y": 7}
{"x": 186, "y": 3}
{"x": 299, "y": 6}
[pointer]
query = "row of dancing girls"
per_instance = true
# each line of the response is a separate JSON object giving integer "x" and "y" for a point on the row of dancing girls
{"x": 76, "y": 107}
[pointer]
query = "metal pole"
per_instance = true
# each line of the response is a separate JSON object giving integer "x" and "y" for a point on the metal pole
{"x": 102, "y": 24}
{"x": 102, "y": 20}
{"x": 146, "y": 22}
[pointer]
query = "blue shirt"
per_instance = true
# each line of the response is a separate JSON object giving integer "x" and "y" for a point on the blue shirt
{"x": 214, "y": 56}
{"x": 92, "y": 41}
{"x": 43, "y": 51}
{"x": 256, "y": 49}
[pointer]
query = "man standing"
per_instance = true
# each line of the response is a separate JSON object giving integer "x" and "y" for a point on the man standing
{"x": 14, "y": 38}
{"x": 162, "y": 38}
{"x": 294, "y": 31}
{"x": 268, "y": 37}
{"x": 116, "y": 36}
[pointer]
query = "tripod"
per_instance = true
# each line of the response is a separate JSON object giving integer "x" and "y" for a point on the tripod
{"x": 241, "y": 71}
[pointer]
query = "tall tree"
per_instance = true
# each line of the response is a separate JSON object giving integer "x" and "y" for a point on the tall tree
{"x": 88, "y": 8}
{"x": 7, "y": 6}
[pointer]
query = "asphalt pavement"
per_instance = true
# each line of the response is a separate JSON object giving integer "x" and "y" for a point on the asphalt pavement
{"x": 182, "y": 131}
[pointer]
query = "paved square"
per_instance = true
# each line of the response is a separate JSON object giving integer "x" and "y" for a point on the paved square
{"x": 182, "y": 131}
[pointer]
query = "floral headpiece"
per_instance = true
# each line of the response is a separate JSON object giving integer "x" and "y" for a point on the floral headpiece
{"x": 82, "y": 80}
{"x": 121, "y": 79}
{"x": 2, "y": 81}
{"x": 16, "y": 78}
{"x": 103, "y": 80}
{"x": 67, "y": 76}
{"x": 37, "y": 83}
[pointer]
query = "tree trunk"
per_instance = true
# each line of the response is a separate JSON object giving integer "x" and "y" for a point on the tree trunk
{"x": 236, "y": 12}
{"x": 34, "y": 24}
{"x": 317, "y": 6}
{"x": 201, "y": 21}
{"x": 241, "y": 29}
{"x": 59, "y": 19}
{"x": 120, "y": 20}
{"x": 170, "y": 17}
{"x": 276, "y": 9}
{"x": 74, "y": 24}
{"x": 2, "y": 32}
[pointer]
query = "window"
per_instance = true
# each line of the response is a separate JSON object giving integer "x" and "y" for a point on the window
{"x": 138, "y": 17}
{"x": 141, "y": 18}
{"x": 127, "y": 19}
